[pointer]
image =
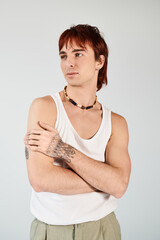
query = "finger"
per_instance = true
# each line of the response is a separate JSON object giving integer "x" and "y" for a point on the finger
{"x": 34, "y": 131}
{"x": 32, "y": 142}
{"x": 46, "y": 126}
{"x": 33, "y": 148}
{"x": 25, "y": 137}
{"x": 33, "y": 137}
{"x": 26, "y": 142}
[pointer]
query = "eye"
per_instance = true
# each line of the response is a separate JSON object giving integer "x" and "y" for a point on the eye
{"x": 63, "y": 56}
{"x": 78, "y": 54}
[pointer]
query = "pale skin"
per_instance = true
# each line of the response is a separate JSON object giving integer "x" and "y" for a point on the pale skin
{"x": 85, "y": 174}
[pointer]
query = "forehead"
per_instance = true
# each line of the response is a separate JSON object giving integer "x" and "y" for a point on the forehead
{"x": 69, "y": 46}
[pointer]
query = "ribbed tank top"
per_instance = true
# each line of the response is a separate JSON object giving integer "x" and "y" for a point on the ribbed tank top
{"x": 58, "y": 209}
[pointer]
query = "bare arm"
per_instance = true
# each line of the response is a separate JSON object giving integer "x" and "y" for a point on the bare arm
{"x": 112, "y": 176}
{"x": 42, "y": 174}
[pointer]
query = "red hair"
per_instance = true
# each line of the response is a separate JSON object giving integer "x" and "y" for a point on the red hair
{"x": 82, "y": 34}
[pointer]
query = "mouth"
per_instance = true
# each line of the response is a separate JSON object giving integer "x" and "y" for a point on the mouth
{"x": 71, "y": 73}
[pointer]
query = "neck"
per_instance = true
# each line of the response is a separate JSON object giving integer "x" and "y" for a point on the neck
{"x": 81, "y": 95}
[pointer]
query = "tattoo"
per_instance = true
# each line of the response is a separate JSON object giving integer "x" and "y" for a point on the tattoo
{"x": 65, "y": 151}
{"x": 62, "y": 150}
{"x": 26, "y": 153}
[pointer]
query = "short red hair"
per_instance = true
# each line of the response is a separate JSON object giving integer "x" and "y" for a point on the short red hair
{"x": 82, "y": 34}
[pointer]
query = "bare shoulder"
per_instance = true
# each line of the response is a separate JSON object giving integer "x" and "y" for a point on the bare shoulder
{"x": 45, "y": 101}
{"x": 42, "y": 109}
{"x": 117, "y": 119}
{"x": 119, "y": 127}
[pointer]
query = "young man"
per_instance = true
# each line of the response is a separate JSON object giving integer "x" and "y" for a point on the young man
{"x": 76, "y": 148}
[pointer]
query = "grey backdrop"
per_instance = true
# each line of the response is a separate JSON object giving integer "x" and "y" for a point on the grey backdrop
{"x": 30, "y": 68}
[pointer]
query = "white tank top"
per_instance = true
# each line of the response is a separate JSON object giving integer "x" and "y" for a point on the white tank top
{"x": 58, "y": 209}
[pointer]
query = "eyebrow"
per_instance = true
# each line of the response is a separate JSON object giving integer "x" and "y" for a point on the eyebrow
{"x": 75, "y": 50}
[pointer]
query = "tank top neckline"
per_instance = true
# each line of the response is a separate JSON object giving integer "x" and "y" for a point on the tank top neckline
{"x": 83, "y": 139}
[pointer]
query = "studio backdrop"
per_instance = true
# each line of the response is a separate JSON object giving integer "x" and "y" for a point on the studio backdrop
{"x": 30, "y": 68}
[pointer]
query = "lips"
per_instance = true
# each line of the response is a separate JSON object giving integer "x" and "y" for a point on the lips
{"x": 72, "y": 73}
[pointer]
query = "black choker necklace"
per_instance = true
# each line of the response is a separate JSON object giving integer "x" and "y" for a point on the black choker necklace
{"x": 76, "y": 104}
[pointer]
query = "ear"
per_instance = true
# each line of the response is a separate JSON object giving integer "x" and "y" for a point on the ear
{"x": 100, "y": 62}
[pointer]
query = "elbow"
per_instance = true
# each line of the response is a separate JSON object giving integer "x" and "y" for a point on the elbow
{"x": 36, "y": 188}
{"x": 121, "y": 190}
{"x": 35, "y": 183}
{"x": 118, "y": 195}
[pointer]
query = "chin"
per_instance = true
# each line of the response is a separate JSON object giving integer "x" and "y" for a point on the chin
{"x": 72, "y": 82}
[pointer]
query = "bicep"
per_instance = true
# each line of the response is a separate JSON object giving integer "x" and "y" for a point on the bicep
{"x": 38, "y": 163}
{"x": 117, "y": 148}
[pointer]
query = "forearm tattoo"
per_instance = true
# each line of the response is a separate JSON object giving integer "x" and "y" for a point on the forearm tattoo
{"x": 26, "y": 153}
{"x": 61, "y": 150}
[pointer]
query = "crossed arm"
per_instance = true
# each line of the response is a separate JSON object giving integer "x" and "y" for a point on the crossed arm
{"x": 88, "y": 174}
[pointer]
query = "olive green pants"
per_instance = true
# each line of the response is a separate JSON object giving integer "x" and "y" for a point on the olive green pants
{"x": 106, "y": 228}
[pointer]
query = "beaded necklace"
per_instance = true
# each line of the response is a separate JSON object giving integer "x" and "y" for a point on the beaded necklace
{"x": 76, "y": 104}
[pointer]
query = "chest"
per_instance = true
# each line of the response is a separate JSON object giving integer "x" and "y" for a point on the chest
{"x": 86, "y": 124}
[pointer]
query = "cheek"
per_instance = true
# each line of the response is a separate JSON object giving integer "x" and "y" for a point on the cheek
{"x": 62, "y": 67}
{"x": 89, "y": 68}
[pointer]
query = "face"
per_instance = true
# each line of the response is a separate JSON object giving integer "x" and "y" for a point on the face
{"x": 79, "y": 65}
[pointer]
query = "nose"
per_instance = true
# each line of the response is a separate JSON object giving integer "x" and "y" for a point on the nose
{"x": 70, "y": 62}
